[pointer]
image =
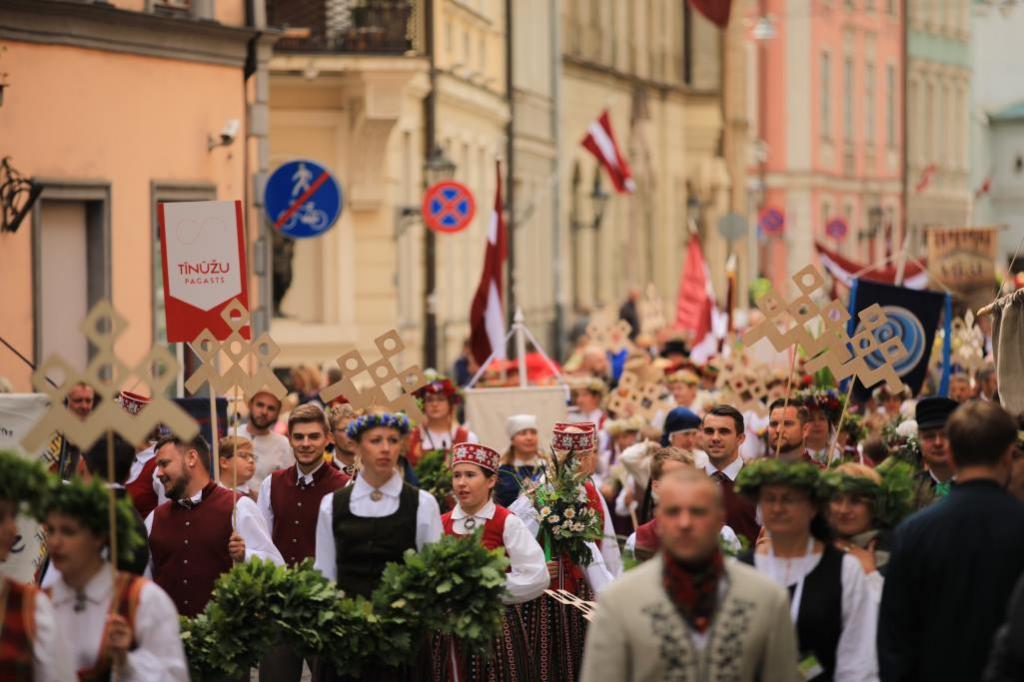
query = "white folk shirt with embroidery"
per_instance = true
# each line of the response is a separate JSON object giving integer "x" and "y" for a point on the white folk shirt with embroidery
{"x": 442, "y": 440}
{"x": 249, "y": 524}
{"x": 528, "y": 577}
{"x": 159, "y": 656}
{"x": 428, "y": 518}
{"x": 855, "y": 653}
{"x": 263, "y": 501}
{"x": 272, "y": 452}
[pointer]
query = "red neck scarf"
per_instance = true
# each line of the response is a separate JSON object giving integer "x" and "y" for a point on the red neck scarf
{"x": 693, "y": 590}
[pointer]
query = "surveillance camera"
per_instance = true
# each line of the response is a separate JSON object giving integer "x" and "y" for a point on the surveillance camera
{"x": 230, "y": 132}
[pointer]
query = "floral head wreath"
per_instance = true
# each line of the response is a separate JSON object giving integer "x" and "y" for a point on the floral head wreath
{"x": 397, "y": 421}
{"x": 439, "y": 385}
{"x": 769, "y": 471}
{"x": 828, "y": 402}
{"x": 891, "y": 501}
{"x": 24, "y": 482}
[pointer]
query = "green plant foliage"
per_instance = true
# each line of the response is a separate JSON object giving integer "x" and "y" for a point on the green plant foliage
{"x": 90, "y": 504}
{"x": 891, "y": 501}
{"x": 25, "y": 482}
{"x": 436, "y": 476}
{"x": 770, "y": 471}
{"x": 452, "y": 587}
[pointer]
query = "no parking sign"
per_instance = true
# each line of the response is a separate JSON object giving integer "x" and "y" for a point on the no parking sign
{"x": 448, "y": 207}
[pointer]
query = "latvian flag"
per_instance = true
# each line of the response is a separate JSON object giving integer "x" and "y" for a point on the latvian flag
{"x": 600, "y": 141}
{"x": 487, "y": 313}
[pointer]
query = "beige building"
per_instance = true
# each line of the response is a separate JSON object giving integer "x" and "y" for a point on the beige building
{"x": 361, "y": 108}
{"x": 657, "y": 68}
{"x": 111, "y": 108}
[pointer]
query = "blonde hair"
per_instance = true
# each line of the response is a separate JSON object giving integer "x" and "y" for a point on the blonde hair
{"x": 229, "y": 445}
{"x": 857, "y": 470}
{"x": 662, "y": 455}
{"x": 340, "y": 413}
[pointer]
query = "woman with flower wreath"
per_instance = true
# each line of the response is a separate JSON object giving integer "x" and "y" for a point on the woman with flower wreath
{"x": 564, "y": 516}
{"x": 114, "y": 625}
{"x": 362, "y": 527}
{"x": 474, "y": 475}
{"x": 830, "y": 602}
{"x": 441, "y": 431}
{"x": 864, "y": 504}
{"x": 30, "y": 646}
{"x": 824, "y": 408}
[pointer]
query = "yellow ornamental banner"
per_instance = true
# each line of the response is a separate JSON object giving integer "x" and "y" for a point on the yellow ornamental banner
{"x": 963, "y": 258}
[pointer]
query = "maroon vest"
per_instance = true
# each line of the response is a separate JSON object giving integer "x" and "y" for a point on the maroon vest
{"x": 647, "y": 541}
{"x": 190, "y": 547}
{"x": 740, "y": 510}
{"x": 295, "y": 509}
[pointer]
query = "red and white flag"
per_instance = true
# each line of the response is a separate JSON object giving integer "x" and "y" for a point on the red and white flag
{"x": 984, "y": 188}
{"x": 696, "y": 309}
{"x": 600, "y": 141}
{"x": 926, "y": 177}
{"x": 487, "y": 314}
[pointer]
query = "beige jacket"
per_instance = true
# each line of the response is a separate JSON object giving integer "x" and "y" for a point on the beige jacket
{"x": 637, "y": 635}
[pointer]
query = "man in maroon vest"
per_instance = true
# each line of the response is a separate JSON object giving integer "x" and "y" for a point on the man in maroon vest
{"x": 199, "y": 532}
{"x": 722, "y": 433}
{"x": 290, "y": 499}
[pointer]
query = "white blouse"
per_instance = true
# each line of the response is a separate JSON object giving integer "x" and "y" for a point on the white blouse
{"x": 855, "y": 655}
{"x": 528, "y": 577}
{"x": 159, "y": 656}
{"x": 428, "y": 518}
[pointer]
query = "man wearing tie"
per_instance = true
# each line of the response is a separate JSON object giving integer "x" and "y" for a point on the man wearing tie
{"x": 722, "y": 432}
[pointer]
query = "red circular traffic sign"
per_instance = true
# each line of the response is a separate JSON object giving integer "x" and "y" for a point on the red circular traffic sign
{"x": 448, "y": 207}
{"x": 836, "y": 228}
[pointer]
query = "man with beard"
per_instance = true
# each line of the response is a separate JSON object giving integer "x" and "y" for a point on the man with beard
{"x": 787, "y": 431}
{"x": 271, "y": 449}
{"x": 199, "y": 532}
{"x": 723, "y": 433}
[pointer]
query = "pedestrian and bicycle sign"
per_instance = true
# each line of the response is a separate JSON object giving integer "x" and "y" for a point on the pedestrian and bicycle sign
{"x": 302, "y": 199}
{"x": 448, "y": 207}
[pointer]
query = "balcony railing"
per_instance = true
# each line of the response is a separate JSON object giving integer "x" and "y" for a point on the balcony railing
{"x": 354, "y": 26}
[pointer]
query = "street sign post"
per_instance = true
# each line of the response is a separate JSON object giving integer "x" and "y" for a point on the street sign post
{"x": 448, "y": 207}
{"x": 302, "y": 199}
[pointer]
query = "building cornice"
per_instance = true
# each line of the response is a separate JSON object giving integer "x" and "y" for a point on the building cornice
{"x": 103, "y": 27}
{"x": 603, "y": 70}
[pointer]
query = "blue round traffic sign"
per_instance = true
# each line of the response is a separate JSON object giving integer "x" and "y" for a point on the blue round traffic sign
{"x": 448, "y": 207}
{"x": 836, "y": 228}
{"x": 302, "y": 199}
{"x": 771, "y": 221}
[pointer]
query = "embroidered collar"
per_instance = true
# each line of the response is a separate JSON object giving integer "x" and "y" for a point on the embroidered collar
{"x": 392, "y": 488}
{"x": 485, "y": 512}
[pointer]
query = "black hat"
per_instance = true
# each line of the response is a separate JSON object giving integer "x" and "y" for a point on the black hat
{"x": 932, "y": 413}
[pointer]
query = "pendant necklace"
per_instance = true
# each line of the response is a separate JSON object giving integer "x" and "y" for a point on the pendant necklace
{"x": 376, "y": 495}
{"x": 470, "y": 523}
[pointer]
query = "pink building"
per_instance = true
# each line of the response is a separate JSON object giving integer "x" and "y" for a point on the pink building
{"x": 828, "y": 93}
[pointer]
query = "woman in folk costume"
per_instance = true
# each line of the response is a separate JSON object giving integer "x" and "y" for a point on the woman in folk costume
{"x": 830, "y": 602}
{"x": 474, "y": 475}
{"x": 824, "y": 407}
{"x": 575, "y": 562}
{"x": 522, "y": 464}
{"x": 362, "y": 527}
{"x": 441, "y": 431}
{"x": 864, "y": 505}
{"x": 114, "y": 625}
{"x": 30, "y": 645}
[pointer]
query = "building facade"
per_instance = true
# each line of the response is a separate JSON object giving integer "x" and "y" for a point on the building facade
{"x": 111, "y": 108}
{"x": 997, "y": 125}
{"x": 938, "y": 104}
{"x": 828, "y": 101}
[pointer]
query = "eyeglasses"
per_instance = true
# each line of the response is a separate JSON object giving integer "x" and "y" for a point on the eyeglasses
{"x": 248, "y": 456}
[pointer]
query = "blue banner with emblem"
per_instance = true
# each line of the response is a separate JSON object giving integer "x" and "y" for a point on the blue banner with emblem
{"x": 914, "y": 316}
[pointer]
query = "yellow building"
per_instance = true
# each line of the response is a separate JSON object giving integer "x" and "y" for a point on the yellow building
{"x": 110, "y": 108}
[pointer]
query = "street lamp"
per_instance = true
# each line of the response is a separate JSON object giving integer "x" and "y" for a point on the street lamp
{"x": 436, "y": 168}
{"x": 599, "y": 201}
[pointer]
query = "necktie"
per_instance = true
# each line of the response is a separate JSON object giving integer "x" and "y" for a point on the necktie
{"x": 187, "y": 503}
{"x": 305, "y": 484}
{"x": 721, "y": 478}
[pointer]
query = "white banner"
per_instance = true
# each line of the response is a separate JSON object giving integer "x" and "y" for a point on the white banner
{"x": 487, "y": 410}
{"x": 19, "y": 412}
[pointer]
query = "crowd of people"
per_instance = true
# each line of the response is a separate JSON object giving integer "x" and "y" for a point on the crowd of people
{"x": 807, "y": 540}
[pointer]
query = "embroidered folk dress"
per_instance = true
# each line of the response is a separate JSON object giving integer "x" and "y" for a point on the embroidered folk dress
{"x": 30, "y": 648}
{"x": 511, "y": 657}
